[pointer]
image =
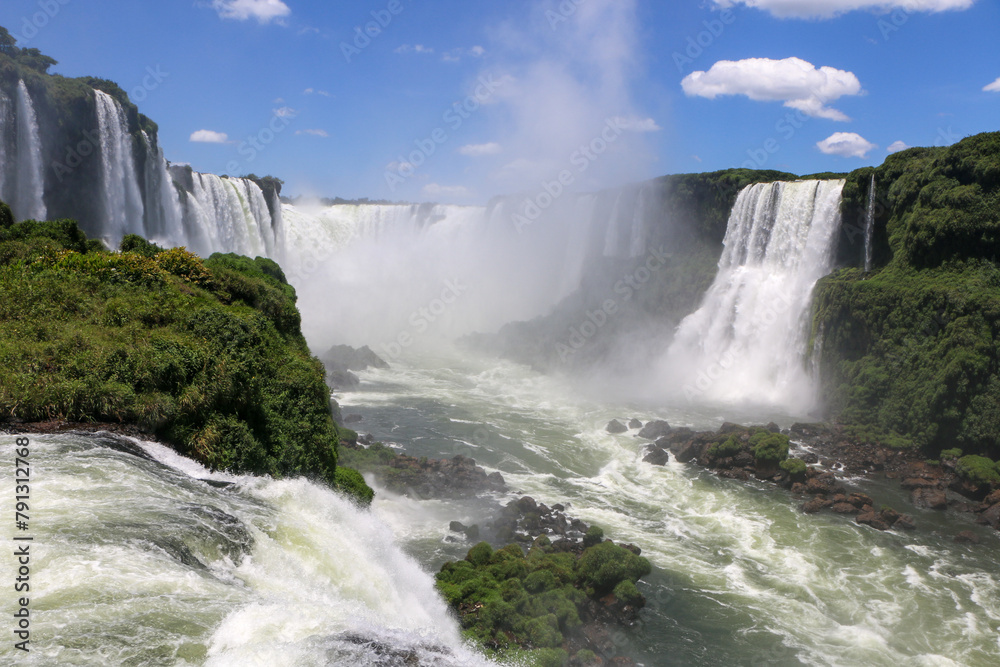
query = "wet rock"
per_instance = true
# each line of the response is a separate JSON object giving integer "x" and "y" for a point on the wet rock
{"x": 918, "y": 483}
{"x": 825, "y": 483}
{"x": 934, "y": 499}
{"x": 457, "y": 527}
{"x": 773, "y": 428}
{"x": 655, "y": 430}
{"x": 991, "y": 517}
{"x": 967, "y": 537}
{"x": 890, "y": 516}
{"x": 860, "y": 500}
{"x": 342, "y": 379}
{"x": 904, "y": 522}
{"x": 615, "y": 427}
{"x": 527, "y": 504}
{"x": 873, "y": 520}
{"x": 729, "y": 427}
{"x": 969, "y": 489}
{"x": 689, "y": 451}
{"x": 657, "y": 457}
{"x": 845, "y": 508}
{"x": 816, "y": 504}
{"x": 992, "y": 499}
{"x": 634, "y": 423}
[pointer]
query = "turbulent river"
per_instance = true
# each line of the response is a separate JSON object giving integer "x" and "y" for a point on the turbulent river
{"x": 139, "y": 560}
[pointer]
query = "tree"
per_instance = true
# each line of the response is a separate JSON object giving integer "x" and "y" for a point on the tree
{"x": 8, "y": 45}
{"x": 36, "y": 60}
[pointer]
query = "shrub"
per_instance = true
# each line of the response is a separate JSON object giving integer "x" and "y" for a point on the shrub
{"x": 725, "y": 449}
{"x": 595, "y": 535}
{"x": 604, "y": 566}
{"x": 979, "y": 470}
{"x": 480, "y": 554}
{"x": 543, "y": 632}
{"x": 6, "y": 216}
{"x": 187, "y": 266}
{"x": 770, "y": 447}
{"x": 627, "y": 593}
{"x": 549, "y": 657}
{"x": 140, "y": 246}
{"x": 796, "y": 468}
{"x": 951, "y": 454}
{"x": 353, "y": 484}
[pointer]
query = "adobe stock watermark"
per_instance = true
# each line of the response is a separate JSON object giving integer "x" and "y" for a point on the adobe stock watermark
{"x": 33, "y": 24}
{"x": 77, "y": 154}
{"x": 454, "y": 117}
{"x": 257, "y": 143}
{"x": 581, "y": 160}
{"x": 421, "y": 319}
{"x": 562, "y": 13}
{"x": 366, "y": 34}
{"x": 597, "y": 319}
{"x": 786, "y": 127}
{"x": 893, "y": 22}
{"x": 701, "y": 42}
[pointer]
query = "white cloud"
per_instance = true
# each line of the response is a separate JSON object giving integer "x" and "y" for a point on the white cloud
{"x": 416, "y": 48}
{"x": 478, "y": 150}
{"x": 696, "y": 158}
{"x": 315, "y": 133}
{"x": 477, "y": 51}
{"x": 313, "y": 91}
{"x": 435, "y": 190}
{"x": 897, "y": 146}
{"x": 456, "y": 55}
{"x": 636, "y": 124}
{"x": 797, "y": 83}
{"x": 825, "y": 9}
{"x": 285, "y": 112}
{"x": 264, "y": 11}
{"x": 846, "y": 144}
{"x": 209, "y": 137}
{"x": 993, "y": 87}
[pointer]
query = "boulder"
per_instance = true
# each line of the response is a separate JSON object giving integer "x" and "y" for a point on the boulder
{"x": 657, "y": 456}
{"x": 845, "y": 508}
{"x": 873, "y": 520}
{"x": 934, "y": 499}
{"x": 860, "y": 500}
{"x": 615, "y": 427}
{"x": 904, "y": 522}
{"x": 634, "y": 423}
{"x": 967, "y": 537}
{"x": 655, "y": 430}
{"x": 816, "y": 504}
{"x": 457, "y": 527}
{"x": 689, "y": 451}
{"x": 729, "y": 427}
{"x": 991, "y": 517}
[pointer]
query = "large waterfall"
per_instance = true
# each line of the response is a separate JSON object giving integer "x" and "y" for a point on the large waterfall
{"x": 22, "y": 180}
{"x": 747, "y": 342}
{"x": 122, "y": 200}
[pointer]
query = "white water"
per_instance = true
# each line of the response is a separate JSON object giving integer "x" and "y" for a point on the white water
{"x": 122, "y": 200}
{"x": 869, "y": 225}
{"x": 29, "y": 191}
{"x": 229, "y": 215}
{"x": 164, "y": 223}
{"x": 137, "y": 562}
{"x": 7, "y": 164}
{"x": 747, "y": 343}
{"x": 741, "y": 576}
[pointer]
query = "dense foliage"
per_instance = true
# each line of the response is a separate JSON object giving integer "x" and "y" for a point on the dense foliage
{"x": 207, "y": 355}
{"x": 508, "y": 601}
{"x": 911, "y": 349}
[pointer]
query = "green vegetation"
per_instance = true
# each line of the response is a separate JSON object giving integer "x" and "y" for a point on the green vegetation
{"x": 507, "y": 601}
{"x": 769, "y": 447}
{"x": 731, "y": 446}
{"x": 911, "y": 349}
{"x": 979, "y": 470}
{"x": 206, "y": 355}
{"x": 947, "y": 454}
{"x": 796, "y": 469}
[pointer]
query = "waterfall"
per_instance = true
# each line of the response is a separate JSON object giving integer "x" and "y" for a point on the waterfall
{"x": 6, "y": 162}
{"x": 164, "y": 222}
{"x": 637, "y": 243}
{"x": 29, "y": 194}
{"x": 122, "y": 199}
{"x": 229, "y": 215}
{"x": 747, "y": 341}
{"x": 870, "y": 225}
{"x": 611, "y": 231}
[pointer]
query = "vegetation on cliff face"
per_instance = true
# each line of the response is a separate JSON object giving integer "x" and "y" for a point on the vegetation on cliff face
{"x": 207, "y": 355}
{"x": 912, "y": 348}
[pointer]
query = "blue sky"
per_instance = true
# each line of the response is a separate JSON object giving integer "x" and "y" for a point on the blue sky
{"x": 458, "y": 101}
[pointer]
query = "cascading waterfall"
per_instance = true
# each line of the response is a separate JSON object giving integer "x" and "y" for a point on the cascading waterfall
{"x": 229, "y": 215}
{"x": 164, "y": 218}
{"x": 747, "y": 342}
{"x": 29, "y": 195}
{"x": 870, "y": 225}
{"x": 6, "y": 162}
{"x": 122, "y": 199}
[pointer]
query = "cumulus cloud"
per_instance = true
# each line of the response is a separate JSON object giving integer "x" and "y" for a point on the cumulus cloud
{"x": 478, "y": 150}
{"x": 315, "y": 133}
{"x": 846, "y": 144}
{"x": 264, "y": 11}
{"x": 797, "y": 83}
{"x": 435, "y": 190}
{"x": 825, "y": 9}
{"x": 209, "y": 137}
{"x": 285, "y": 112}
{"x": 897, "y": 146}
{"x": 993, "y": 87}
